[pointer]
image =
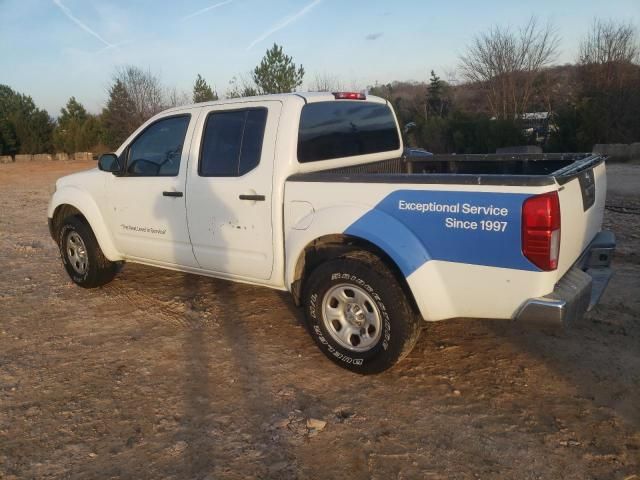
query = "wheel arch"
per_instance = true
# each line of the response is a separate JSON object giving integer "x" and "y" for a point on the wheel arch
{"x": 60, "y": 213}
{"x": 78, "y": 203}
{"x": 332, "y": 246}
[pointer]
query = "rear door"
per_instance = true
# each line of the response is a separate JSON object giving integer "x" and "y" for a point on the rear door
{"x": 229, "y": 190}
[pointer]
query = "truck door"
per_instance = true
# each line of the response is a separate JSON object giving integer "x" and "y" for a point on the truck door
{"x": 147, "y": 201}
{"x": 230, "y": 186}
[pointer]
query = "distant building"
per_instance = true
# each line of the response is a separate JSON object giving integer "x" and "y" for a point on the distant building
{"x": 538, "y": 125}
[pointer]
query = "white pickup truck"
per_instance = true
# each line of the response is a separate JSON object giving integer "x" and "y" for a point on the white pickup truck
{"x": 314, "y": 193}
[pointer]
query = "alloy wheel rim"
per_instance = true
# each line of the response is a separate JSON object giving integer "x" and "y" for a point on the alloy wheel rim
{"x": 77, "y": 253}
{"x": 351, "y": 317}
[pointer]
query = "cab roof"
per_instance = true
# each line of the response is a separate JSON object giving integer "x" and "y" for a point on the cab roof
{"x": 308, "y": 97}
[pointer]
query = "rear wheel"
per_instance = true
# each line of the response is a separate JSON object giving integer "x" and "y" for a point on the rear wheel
{"x": 358, "y": 314}
{"x": 81, "y": 255}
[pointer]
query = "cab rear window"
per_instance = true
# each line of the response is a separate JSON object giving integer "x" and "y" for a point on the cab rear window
{"x": 339, "y": 129}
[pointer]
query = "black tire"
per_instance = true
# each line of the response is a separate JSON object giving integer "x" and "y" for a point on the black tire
{"x": 99, "y": 271}
{"x": 400, "y": 324}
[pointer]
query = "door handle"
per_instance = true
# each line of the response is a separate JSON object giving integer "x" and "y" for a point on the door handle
{"x": 172, "y": 194}
{"x": 255, "y": 198}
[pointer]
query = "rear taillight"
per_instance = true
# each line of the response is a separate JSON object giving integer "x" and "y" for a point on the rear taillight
{"x": 541, "y": 230}
{"x": 349, "y": 96}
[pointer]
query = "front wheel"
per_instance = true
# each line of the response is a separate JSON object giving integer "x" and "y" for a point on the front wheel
{"x": 81, "y": 255}
{"x": 358, "y": 315}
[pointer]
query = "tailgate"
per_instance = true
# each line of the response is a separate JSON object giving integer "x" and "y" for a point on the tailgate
{"x": 582, "y": 200}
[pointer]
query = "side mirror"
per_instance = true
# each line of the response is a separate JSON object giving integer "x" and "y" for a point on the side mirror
{"x": 109, "y": 162}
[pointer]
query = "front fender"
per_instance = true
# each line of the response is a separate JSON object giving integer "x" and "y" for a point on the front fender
{"x": 84, "y": 202}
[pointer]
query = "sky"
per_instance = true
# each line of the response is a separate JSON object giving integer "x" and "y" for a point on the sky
{"x": 55, "y": 49}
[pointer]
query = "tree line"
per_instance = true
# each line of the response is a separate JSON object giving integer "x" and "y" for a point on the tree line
{"x": 505, "y": 74}
{"x": 134, "y": 96}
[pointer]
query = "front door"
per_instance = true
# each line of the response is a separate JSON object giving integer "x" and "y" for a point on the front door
{"x": 229, "y": 201}
{"x": 147, "y": 201}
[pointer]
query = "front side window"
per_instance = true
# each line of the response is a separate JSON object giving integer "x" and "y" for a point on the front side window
{"x": 157, "y": 151}
{"x": 340, "y": 129}
{"x": 232, "y": 142}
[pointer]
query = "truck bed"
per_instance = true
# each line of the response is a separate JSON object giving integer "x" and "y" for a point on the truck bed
{"x": 376, "y": 196}
{"x": 495, "y": 169}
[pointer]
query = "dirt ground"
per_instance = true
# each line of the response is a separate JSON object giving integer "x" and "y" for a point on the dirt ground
{"x": 167, "y": 375}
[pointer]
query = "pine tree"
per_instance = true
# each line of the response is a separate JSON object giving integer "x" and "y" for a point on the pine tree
{"x": 73, "y": 111}
{"x": 437, "y": 101}
{"x": 277, "y": 73}
{"x": 202, "y": 91}
{"x": 36, "y": 132}
{"x": 67, "y": 135}
{"x": 9, "y": 143}
{"x": 24, "y": 128}
{"x": 91, "y": 135}
{"x": 119, "y": 116}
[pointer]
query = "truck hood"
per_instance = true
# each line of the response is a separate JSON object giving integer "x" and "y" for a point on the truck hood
{"x": 80, "y": 179}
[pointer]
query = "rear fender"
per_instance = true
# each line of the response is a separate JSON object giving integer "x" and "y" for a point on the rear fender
{"x": 406, "y": 251}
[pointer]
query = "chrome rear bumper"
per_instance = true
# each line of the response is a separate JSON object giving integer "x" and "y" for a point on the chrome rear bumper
{"x": 578, "y": 291}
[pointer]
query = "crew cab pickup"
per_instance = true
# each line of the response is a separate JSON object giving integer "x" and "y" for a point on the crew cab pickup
{"x": 314, "y": 193}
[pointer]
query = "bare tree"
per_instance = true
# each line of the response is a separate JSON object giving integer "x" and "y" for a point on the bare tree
{"x": 452, "y": 76}
{"x": 145, "y": 90}
{"x": 610, "y": 42}
{"x": 506, "y": 64}
{"x": 241, "y": 86}
{"x": 176, "y": 98}
{"x": 324, "y": 82}
{"x": 355, "y": 85}
{"x": 607, "y": 52}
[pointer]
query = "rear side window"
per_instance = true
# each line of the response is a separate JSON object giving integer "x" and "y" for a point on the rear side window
{"x": 343, "y": 129}
{"x": 232, "y": 142}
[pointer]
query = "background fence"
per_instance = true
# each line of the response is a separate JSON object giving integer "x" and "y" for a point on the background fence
{"x": 622, "y": 152}
{"x": 46, "y": 157}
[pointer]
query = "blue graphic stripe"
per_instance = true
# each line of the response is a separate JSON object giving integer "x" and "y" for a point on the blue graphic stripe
{"x": 415, "y": 226}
